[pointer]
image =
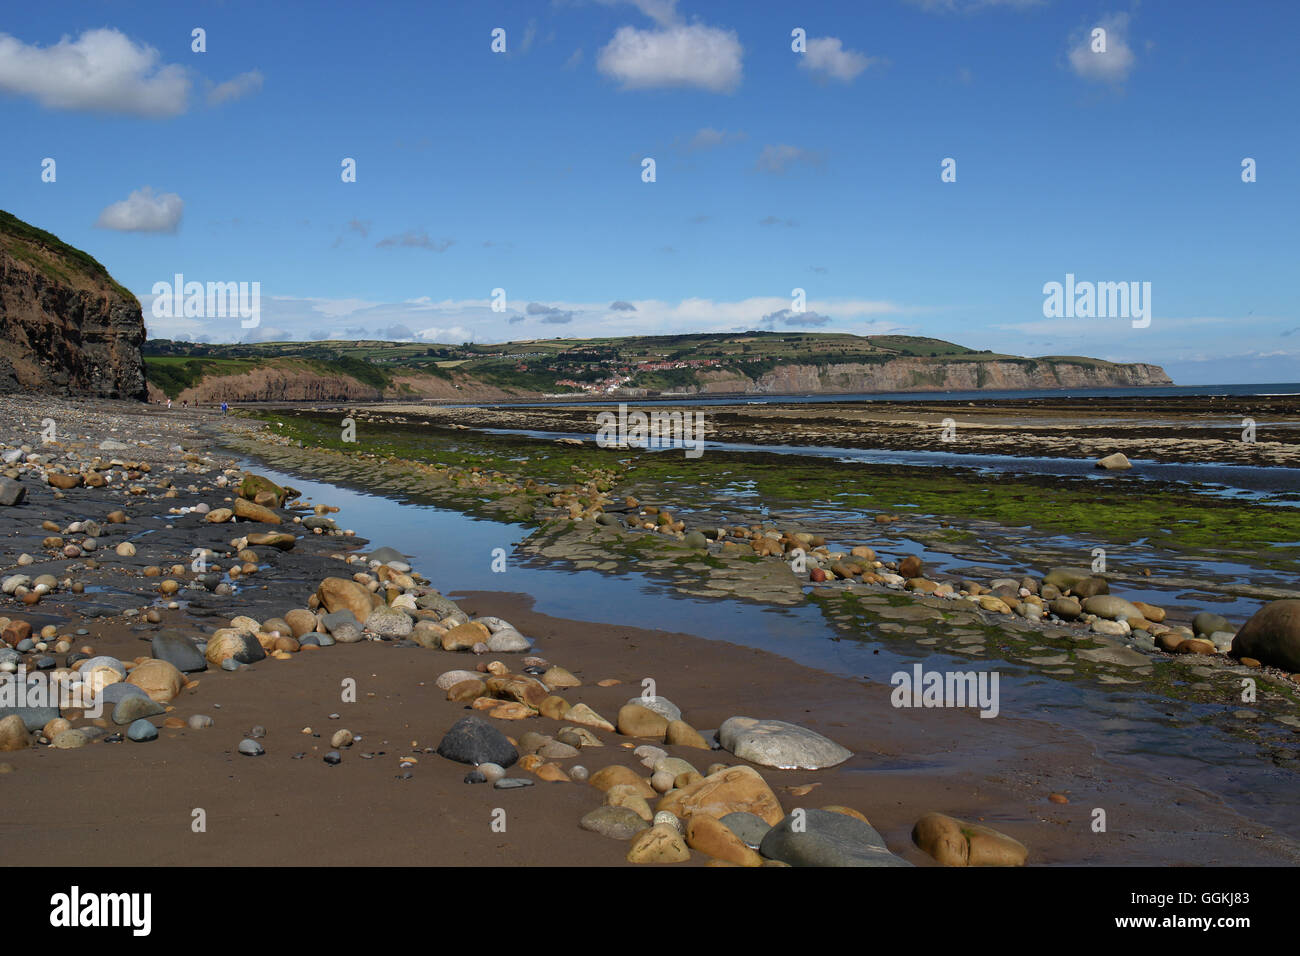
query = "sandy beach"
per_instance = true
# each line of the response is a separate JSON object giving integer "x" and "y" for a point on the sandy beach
{"x": 1026, "y": 776}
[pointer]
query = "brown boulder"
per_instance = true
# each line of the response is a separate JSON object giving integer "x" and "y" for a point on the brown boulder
{"x": 616, "y": 775}
{"x": 1272, "y": 635}
{"x": 251, "y": 512}
{"x": 525, "y": 690}
{"x": 462, "y": 637}
{"x": 301, "y": 621}
{"x": 466, "y": 690}
{"x": 159, "y": 679}
{"x": 659, "y": 844}
{"x": 735, "y": 789}
{"x": 340, "y": 594}
{"x": 637, "y": 721}
{"x": 682, "y": 734}
{"x": 13, "y": 734}
{"x": 954, "y": 843}
{"x": 714, "y": 838}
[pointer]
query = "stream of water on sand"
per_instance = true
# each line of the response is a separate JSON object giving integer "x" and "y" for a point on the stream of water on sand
{"x": 1128, "y": 724}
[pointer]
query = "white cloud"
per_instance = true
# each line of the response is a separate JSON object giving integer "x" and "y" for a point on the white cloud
{"x": 334, "y": 308}
{"x": 101, "y": 71}
{"x": 415, "y": 239}
{"x": 677, "y": 55}
{"x": 472, "y": 320}
{"x": 530, "y": 34}
{"x": 710, "y": 138}
{"x": 779, "y": 158}
{"x": 142, "y": 211}
{"x": 235, "y": 88}
{"x": 448, "y": 336}
{"x": 827, "y": 56}
{"x": 1112, "y": 66}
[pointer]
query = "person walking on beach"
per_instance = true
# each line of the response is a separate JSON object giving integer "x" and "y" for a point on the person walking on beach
{"x": 224, "y": 408}
{"x": 169, "y": 404}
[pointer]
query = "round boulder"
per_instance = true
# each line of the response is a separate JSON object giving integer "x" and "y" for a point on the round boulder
{"x": 1272, "y": 635}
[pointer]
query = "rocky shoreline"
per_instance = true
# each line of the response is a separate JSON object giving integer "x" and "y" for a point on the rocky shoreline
{"x": 1062, "y": 608}
{"x": 131, "y": 527}
{"x": 1187, "y": 429}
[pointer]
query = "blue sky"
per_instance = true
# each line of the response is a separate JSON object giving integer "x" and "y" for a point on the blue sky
{"x": 775, "y": 170}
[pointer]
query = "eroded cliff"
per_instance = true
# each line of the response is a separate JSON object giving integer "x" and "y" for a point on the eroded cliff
{"x": 65, "y": 326}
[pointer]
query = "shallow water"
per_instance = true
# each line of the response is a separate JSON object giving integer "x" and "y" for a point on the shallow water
{"x": 983, "y": 395}
{"x": 1151, "y": 734}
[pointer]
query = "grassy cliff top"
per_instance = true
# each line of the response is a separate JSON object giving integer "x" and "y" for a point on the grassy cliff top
{"x": 61, "y": 262}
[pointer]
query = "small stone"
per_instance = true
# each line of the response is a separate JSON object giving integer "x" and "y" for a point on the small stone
{"x": 134, "y": 708}
{"x": 141, "y": 731}
{"x": 750, "y": 829}
{"x": 584, "y": 715}
{"x": 251, "y": 748}
{"x": 660, "y": 705}
{"x": 69, "y": 740}
{"x": 473, "y": 740}
{"x": 617, "y": 823}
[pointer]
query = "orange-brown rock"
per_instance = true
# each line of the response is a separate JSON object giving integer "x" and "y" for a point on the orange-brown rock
{"x": 712, "y": 837}
{"x": 618, "y": 774}
{"x": 735, "y": 789}
{"x": 159, "y": 679}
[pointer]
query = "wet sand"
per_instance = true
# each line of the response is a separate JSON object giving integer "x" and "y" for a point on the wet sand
{"x": 132, "y": 804}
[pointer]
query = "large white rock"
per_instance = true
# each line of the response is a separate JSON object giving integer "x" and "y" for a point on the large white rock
{"x": 775, "y": 743}
{"x": 1115, "y": 462}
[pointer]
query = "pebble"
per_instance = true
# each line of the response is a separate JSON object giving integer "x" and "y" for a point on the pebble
{"x": 617, "y": 823}
{"x": 749, "y": 828}
{"x": 141, "y": 731}
{"x": 512, "y": 783}
{"x": 660, "y": 705}
{"x": 668, "y": 818}
{"x": 333, "y": 757}
{"x": 251, "y": 748}
{"x": 473, "y": 740}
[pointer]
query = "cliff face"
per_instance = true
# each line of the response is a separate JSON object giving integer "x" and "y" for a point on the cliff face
{"x": 930, "y": 375}
{"x": 68, "y": 328}
{"x": 287, "y": 381}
